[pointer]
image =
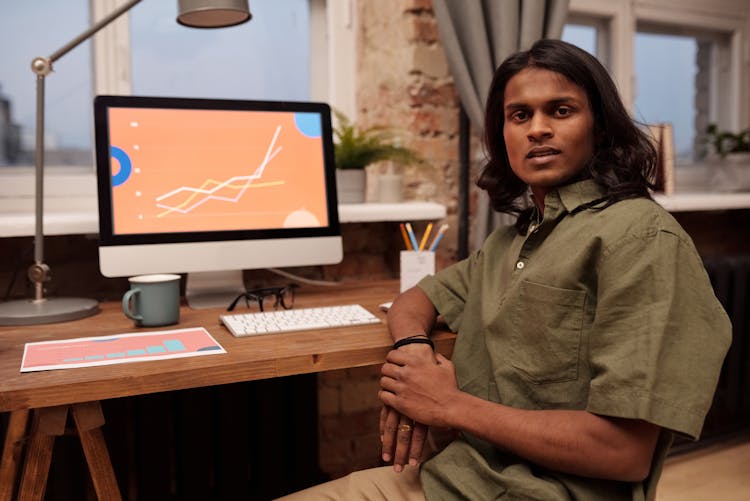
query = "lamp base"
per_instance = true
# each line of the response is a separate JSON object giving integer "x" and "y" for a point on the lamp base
{"x": 46, "y": 311}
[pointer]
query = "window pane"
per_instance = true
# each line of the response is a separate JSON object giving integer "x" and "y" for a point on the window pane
{"x": 38, "y": 28}
{"x": 582, "y": 36}
{"x": 666, "y": 69}
{"x": 265, "y": 58}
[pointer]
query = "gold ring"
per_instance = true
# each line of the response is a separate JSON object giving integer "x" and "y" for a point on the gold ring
{"x": 404, "y": 427}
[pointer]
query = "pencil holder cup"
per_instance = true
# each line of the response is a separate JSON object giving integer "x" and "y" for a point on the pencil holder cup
{"x": 415, "y": 265}
{"x": 153, "y": 300}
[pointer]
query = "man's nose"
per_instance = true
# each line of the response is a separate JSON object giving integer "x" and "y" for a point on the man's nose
{"x": 540, "y": 127}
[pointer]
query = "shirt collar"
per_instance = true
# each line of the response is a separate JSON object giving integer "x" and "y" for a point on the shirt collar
{"x": 574, "y": 195}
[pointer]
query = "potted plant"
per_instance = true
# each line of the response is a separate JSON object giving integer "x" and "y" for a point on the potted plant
{"x": 732, "y": 173}
{"x": 355, "y": 149}
{"x": 729, "y": 145}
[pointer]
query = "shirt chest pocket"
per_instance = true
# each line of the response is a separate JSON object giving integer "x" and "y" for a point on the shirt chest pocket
{"x": 544, "y": 341}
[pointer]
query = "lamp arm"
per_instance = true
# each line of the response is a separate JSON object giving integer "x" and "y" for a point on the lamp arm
{"x": 41, "y": 66}
{"x": 93, "y": 29}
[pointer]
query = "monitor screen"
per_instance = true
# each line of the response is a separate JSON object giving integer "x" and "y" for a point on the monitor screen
{"x": 202, "y": 185}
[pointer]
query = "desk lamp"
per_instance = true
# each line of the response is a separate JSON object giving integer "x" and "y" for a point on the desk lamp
{"x": 41, "y": 310}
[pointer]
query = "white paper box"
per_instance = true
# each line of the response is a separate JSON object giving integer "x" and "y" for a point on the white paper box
{"x": 415, "y": 265}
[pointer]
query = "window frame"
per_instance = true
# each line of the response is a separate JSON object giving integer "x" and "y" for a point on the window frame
{"x": 719, "y": 75}
{"x": 616, "y": 18}
{"x": 730, "y": 107}
{"x": 622, "y": 18}
{"x": 72, "y": 206}
{"x": 602, "y": 25}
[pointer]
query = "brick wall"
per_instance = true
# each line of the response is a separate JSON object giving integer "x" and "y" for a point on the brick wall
{"x": 404, "y": 83}
{"x": 348, "y": 420}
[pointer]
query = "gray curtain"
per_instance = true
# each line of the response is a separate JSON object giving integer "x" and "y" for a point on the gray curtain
{"x": 477, "y": 35}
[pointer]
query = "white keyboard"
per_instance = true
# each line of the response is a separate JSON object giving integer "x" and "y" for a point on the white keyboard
{"x": 298, "y": 319}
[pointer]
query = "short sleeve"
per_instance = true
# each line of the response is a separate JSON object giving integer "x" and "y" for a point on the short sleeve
{"x": 449, "y": 288}
{"x": 659, "y": 336}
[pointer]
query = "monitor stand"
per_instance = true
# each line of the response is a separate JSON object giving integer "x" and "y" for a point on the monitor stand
{"x": 213, "y": 289}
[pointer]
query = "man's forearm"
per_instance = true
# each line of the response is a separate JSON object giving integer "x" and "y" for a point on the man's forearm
{"x": 569, "y": 441}
{"x": 412, "y": 313}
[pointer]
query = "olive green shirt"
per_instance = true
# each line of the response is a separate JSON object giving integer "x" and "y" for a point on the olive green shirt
{"x": 608, "y": 311}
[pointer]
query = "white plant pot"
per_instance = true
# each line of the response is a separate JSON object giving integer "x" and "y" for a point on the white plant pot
{"x": 732, "y": 173}
{"x": 742, "y": 158}
{"x": 351, "y": 185}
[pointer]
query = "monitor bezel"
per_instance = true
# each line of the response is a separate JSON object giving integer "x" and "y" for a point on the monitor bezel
{"x": 107, "y": 237}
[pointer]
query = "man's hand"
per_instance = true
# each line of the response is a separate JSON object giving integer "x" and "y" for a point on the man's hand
{"x": 417, "y": 386}
{"x": 403, "y": 439}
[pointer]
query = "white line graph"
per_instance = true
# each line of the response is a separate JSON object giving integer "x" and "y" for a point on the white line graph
{"x": 248, "y": 180}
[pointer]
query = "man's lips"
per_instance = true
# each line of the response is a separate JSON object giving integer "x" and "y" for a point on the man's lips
{"x": 541, "y": 151}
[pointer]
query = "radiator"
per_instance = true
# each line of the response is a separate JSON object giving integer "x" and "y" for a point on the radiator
{"x": 730, "y": 412}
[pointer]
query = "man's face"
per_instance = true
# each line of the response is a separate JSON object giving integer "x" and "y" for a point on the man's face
{"x": 548, "y": 129}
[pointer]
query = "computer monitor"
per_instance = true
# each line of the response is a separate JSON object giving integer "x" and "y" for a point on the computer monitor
{"x": 211, "y": 187}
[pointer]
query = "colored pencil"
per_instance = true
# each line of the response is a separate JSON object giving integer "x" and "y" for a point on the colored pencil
{"x": 405, "y": 237}
{"x": 424, "y": 237}
{"x": 438, "y": 237}
{"x": 412, "y": 238}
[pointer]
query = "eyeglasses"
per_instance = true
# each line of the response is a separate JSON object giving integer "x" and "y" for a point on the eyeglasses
{"x": 283, "y": 296}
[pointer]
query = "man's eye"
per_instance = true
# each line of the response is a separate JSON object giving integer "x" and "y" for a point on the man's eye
{"x": 563, "y": 111}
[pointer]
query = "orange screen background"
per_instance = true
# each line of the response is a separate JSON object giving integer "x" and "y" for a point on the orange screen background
{"x": 182, "y": 151}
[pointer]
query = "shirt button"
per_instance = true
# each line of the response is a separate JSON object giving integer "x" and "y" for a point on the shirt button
{"x": 520, "y": 265}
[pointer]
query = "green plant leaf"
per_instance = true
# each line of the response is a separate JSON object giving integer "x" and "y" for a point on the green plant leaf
{"x": 725, "y": 142}
{"x": 357, "y": 148}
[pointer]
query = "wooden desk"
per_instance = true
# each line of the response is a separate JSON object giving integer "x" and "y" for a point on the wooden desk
{"x": 51, "y": 394}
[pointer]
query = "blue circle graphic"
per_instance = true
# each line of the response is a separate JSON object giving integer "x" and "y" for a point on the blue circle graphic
{"x": 308, "y": 124}
{"x": 126, "y": 167}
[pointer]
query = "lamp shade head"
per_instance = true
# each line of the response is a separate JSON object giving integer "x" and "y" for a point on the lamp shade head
{"x": 213, "y": 13}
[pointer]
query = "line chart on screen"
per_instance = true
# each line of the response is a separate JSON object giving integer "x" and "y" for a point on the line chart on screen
{"x": 244, "y": 182}
{"x": 167, "y": 177}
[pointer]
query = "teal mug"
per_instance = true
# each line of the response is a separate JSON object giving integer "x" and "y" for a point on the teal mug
{"x": 153, "y": 300}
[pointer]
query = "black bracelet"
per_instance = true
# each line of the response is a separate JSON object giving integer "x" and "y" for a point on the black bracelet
{"x": 414, "y": 336}
{"x": 419, "y": 338}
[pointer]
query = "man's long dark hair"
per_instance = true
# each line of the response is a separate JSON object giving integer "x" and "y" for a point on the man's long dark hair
{"x": 624, "y": 159}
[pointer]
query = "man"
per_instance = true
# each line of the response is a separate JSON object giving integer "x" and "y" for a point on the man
{"x": 587, "y": 335}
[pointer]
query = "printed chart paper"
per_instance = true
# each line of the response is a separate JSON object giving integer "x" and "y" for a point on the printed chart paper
{"x": 118, "y": 349}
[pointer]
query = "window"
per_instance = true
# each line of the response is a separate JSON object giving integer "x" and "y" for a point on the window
{"x": 581, "y": 35}
{"x": 590, "y": 33}
{"x": 265, "y": 59}
{"x": 670, "y": 87}
{"x": 25, "y": 34}
{"x": 167, "y": 59}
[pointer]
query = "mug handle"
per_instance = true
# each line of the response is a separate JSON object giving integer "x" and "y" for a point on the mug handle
{"x": 126, "y": 305}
